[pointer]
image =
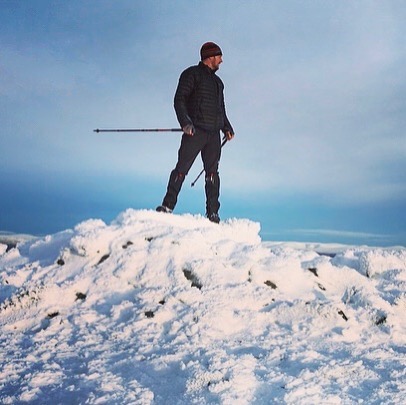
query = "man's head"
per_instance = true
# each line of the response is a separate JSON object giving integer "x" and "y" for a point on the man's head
{"x": 209, "y": 49}
{"x": 211, "y": 55}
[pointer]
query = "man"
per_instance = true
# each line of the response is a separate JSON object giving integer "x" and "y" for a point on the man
{"x": 199, "y": 107}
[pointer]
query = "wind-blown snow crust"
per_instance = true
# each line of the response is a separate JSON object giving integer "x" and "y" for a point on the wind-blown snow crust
{"x": 166, "y": 309}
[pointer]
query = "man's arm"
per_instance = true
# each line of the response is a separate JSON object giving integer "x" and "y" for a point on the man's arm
{"x": 182, "y": 94}
{"x": 227, "y": 129}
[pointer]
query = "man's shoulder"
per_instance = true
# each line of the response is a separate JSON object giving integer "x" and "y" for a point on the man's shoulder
{"x": 192, "y": 69}
{"x": 194, "y": 73}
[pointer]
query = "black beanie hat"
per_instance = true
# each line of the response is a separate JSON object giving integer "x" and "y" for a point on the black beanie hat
{"x": 209, "y": 49}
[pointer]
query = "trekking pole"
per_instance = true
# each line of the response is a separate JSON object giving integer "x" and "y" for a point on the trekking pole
{"x": 198, "y": 177}
{"x": 140, "y": 130}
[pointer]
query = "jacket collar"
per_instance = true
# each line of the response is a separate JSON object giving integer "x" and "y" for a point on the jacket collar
{"x": 206, "y": 68}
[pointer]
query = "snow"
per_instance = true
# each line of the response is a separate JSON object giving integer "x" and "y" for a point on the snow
{"x": 171, "y": 309}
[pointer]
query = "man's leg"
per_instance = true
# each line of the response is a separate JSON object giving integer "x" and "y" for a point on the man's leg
{"x": 189, "y": 148}
{"x": 174, "y": 186}
{"x": 212, "y": 188}
{"x": 211, "y": 157}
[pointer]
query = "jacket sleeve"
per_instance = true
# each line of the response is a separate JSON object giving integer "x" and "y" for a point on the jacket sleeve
{"x": 227, "y": 125}
{"x": 182, "y": 94}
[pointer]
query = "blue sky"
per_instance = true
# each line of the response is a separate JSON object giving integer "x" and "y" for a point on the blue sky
{"x": 315, "y": 90}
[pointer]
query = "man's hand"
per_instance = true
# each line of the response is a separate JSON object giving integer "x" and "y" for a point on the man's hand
{"x": 229, "y": 135}
{"x": 189, "y": 129}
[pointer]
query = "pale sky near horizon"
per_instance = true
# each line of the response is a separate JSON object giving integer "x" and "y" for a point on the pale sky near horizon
{"x": 315, "y": 90}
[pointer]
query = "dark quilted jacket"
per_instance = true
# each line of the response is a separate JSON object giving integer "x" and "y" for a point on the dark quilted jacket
{"x": 199, "y": 100}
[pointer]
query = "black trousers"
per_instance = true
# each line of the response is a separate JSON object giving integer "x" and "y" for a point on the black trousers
{"x": 209, "y": 146}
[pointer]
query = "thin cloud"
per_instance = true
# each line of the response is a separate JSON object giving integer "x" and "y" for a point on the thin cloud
{"x": 328, "y": 122}
{"x": 341, "y": 234}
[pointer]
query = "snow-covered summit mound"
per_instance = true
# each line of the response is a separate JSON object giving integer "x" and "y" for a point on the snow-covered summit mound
{"x": 166, "y": 309}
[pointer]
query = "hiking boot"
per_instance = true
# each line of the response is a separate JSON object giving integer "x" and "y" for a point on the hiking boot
{"x": 163, "y": 208}
{"x": 214, "y": 217}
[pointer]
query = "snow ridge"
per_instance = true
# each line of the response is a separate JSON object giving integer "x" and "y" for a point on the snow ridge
{"x": 167, "y": 309}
